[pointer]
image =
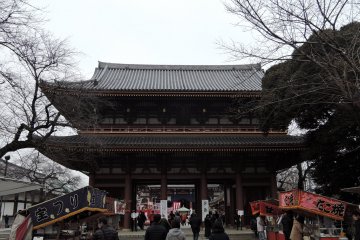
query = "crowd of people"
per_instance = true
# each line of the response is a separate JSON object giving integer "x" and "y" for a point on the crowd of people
{"x": 169, "y": 229}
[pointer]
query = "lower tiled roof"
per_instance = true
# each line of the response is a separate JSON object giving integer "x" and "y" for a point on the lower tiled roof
{"x": 188, "y": 141}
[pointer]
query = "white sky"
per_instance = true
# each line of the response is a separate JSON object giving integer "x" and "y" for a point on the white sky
{"x": 144, "y": 31}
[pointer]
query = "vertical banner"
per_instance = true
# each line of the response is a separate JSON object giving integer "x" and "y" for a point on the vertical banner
{"x": 163, "y": 209}
{"x": 204, "y": 208}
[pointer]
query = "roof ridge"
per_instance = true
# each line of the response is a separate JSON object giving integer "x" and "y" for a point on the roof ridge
{"x": 180, "y": 67}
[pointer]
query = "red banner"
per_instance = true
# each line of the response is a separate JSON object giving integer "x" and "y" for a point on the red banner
{"x": 264, "y": 208}
{"x": 313, "y": 203}
{"x": 255, "y": 208}
{"x": 267, "y": 209}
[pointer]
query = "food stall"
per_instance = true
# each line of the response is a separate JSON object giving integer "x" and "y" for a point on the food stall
{"x": 322, "y": 213}
{"x": 65, "y": 216}
{"x": 269, "y": 209}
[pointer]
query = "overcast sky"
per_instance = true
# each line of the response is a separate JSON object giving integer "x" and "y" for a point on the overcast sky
{"x": 144, "y": 31}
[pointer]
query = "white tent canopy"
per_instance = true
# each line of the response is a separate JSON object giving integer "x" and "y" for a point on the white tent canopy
{"x": 10, "y": 186}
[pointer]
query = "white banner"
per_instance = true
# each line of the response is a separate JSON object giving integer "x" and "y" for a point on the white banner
{"x": 204, "y": 208}
{"x": 163, "y": 209}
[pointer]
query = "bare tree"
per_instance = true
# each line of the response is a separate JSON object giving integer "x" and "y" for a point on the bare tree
{"x": 54, "y": 178}
{"x": 315, "y": 81}
{"x": 298, "y": 176}
{"x": 30, "y": 55}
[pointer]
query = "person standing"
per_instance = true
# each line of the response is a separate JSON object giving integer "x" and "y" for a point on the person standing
{"x": 134, "y": 217}
{"x": 297, "y": 228}
{"x": 141, "y": 220}
{"x": 208, "y": 224}
{"x": 218, "y": 232}
{"x": 195, "y": 223}
{"x": 165, "y": 223}
{"x": 237, "y": 220}
{"x": 156, "y": 231}
{"x": 287, "y": 223}
{"x": 105, "y": 231}
{"x": 260, "y": 227}
{"x": 175, "y": 232}
{"x": 6, "y": 219}
{"x": 356, "y": 218}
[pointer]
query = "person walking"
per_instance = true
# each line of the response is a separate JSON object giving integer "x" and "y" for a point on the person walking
{"x": 218, "y": 231}
{"x": 287, "y": 223}
{"x": 260, "y": 227}
{"x": 195, "y": 223}
{"x": 297, "y": 228}
{"x": 156, "y": 231}
{"x": 175, "y": 232}
{"x": 105, "y": 231}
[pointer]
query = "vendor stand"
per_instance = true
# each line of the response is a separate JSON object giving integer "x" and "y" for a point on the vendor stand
{"x": 271, "y": 210}
{"x": 322, "y": 212}
{"x": 64, "y": 217}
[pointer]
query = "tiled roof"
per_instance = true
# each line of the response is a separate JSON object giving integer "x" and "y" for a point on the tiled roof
{"x": 134, "y": 77}
{"x": 158, "y": 141}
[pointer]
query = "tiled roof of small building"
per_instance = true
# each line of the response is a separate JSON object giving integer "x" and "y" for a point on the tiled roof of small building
{"x": 157, "y": 141}
{"x": 214, "y": 78}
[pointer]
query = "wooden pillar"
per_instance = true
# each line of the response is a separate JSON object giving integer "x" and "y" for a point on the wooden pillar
{"x": 127, "y": 198}
{"x": 91, "y": 179}
{"x": 239, "y": 193}
{"x": 203, "y": 186}
{"x": 163, "y": 187}
{"x": 273, "y": 183}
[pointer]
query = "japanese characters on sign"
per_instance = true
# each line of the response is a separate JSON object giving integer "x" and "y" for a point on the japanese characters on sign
{"x": 314, "y": 203}
{"x": 61, "y": 206}
{"x": 204, "y": 208}
{"x": 289, "y": 199}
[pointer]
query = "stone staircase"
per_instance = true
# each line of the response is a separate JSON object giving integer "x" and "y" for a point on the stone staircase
{"x": 4, "y": 234}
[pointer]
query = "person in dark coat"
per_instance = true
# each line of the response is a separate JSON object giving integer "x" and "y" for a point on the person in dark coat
{"x": 208, "y": 224}
{"x": 165, "y": 223}
{"x": 218, "y": 232}
{"x": 141, "y": 220}
{"x": 356, "y": 218}
{"x": 237, "y": 220}
{"x": 156, "y": 231}
{"x": 287, "y": 223}
{"x": 105, "y": 231}
{"x": 195, "y": 223}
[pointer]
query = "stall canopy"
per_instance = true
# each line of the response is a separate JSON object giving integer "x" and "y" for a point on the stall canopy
{"x": 60, "y": 208}
{"x": 265, "y": 208}
{"x": 351, "y": 190}
{"x": 312, "y": 203}
{"x": 10, "y": 186}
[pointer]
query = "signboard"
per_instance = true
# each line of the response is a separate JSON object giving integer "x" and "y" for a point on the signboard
{"x": 240, "y": 212}
{"x": 119, "y": 207}
{"x": 313, "y": 203}
{"x": 289, "y": 199}
{"x": 267, "y": 209}
{"x": 255, "y": 208}
{"x": 62, "y": 207}
{"x": 163, "y": 209}
{"x": 204, "y": 208}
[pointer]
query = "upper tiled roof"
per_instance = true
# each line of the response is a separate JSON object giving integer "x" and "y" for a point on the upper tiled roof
{"x": 202, "y": 78}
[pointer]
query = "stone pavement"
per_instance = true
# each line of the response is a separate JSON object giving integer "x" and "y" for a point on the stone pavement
{"x": 245, "y": 234}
